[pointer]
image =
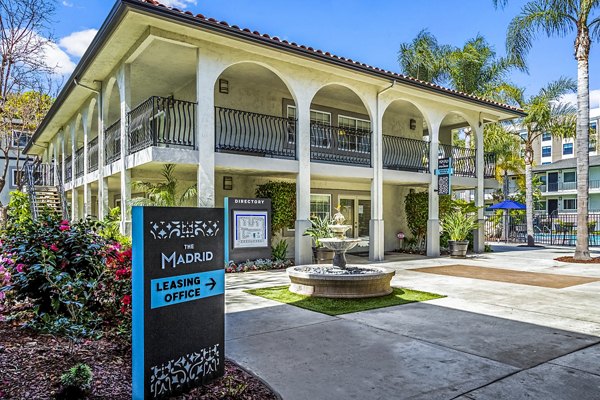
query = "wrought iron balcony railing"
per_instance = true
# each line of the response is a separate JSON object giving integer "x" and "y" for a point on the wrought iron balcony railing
{"x": 68, "y": 169}
{"x": 340, "y": 145}
{"x": 162, "y": 121}
{"x": 112, "y": 143}
{"x": 405, "y": 154}
{"x": 463, "y": 159}
{"x": 489, "y": 165}
{"x": 93, "y": 155}
{"x": 257, "y": 134}
{"x": 79, "y": 172}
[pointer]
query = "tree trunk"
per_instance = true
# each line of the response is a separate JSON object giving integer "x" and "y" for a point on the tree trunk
{"x": 529, "y": 204}
{"x": 582, "y": 251}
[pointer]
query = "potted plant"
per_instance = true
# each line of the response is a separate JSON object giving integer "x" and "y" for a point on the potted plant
{"x": 458, "y": 225}
{"x": 320, "y": 230}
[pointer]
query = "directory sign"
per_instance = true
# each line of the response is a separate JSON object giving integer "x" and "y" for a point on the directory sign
{"x": 444, "y": 172}
{"x": 249, "y": 224}
{"x": 178, "y": 287}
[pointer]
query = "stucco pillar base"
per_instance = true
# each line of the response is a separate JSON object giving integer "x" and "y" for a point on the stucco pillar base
{"x": 479, "y": 237}
{"x": 303, "y": 244}
{"x": 376, "y": 240}
{"x": 433, "y": 238}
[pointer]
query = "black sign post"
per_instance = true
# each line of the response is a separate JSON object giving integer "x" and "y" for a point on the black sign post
{"x": 444, "y": 172}
{"x": 178, "y": 299}
{"x": 249, "y": 224}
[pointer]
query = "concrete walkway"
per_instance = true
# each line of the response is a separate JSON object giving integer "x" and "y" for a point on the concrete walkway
{"x": 486, "y": 340}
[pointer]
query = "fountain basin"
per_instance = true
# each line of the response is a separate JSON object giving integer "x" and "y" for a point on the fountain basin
{"x": 350, "y": 283}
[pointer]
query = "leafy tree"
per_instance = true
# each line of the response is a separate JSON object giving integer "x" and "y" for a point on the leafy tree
{"x": 164, "y": 193}
{"x": 498, "y": 139}
{"x": 561, "y": 18}
{"x": 424, "y": 58}
{"x": 283, "y": 203}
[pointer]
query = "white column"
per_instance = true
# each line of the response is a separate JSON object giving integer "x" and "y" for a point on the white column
{"x": 479, "y": 234}
{"x": 376, "y": 227}
{"x": 102, "y": 183}
{"x": 87, "y": 194}
{"x": 63, "y": 156}
{"x": 55, "y": 171}
{"x": 205, "y": 129}
{"x": 303, "y": 244}
{"x": 433, "y": 222}
{"x": 125, "y": 101}
{"x": 74, "y": 198}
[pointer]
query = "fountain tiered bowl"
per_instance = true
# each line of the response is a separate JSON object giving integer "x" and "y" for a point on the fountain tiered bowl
{"x": 340, "y": 280}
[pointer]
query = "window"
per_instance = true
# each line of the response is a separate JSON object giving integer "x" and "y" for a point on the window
{"x": 320, "y": 117}
{"x": 15, "y": 177}
{"x": 546, "y": 137}
{"x": 569, "y": 204}
{"x": 542, "y": 179}
{"x": 291, "y": 129}
{"x": 354, "y": 123}
{"x": 567, "y": 148}
{"x": 19, "y": 139}
{"x": 523, "y": 135}
{"x": 320, "y": 205}
{"x": 547, "y": 151}
{"x": 546, "y": 163}
{"x": 569, "y": 177}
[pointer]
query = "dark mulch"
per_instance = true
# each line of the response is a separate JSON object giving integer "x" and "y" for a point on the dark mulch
{"x": 569, "y": 259}
{"x": 31, "y": 365}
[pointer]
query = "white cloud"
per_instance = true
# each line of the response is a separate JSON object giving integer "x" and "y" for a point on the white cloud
{"x": 77, "y": 42}
{"x": 58, "y": 59}
{"x": 67, "y": 3}
{"x": 178, "y": 3}
{"x": 572, "y": 98}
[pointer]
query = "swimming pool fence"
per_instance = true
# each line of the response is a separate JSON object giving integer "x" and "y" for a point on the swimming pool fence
{"x": 557, "y": 229}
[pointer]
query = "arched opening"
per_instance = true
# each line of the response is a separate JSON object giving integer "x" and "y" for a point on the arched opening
{"x": 457, "y": 141}
{"x": 254, "y": 112}
{"x": 340, "y": 127}
{"x": 78, "y": 157}
{"x": 93, "y": 136}
{"x": 112, "y": 124}
{"x": 405, "y": 138}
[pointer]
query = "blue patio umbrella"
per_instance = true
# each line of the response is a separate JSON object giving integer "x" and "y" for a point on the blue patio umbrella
{"x": 507, "y": 205}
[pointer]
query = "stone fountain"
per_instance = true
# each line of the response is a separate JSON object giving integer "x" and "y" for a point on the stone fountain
{"x": 340, "y": 280}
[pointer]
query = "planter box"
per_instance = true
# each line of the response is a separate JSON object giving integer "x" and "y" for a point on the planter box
{"x": 458, "y": 249}
{"x": 323, "y": 255}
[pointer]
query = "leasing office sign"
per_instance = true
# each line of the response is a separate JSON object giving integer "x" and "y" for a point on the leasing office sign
{"x": 178, "y": 299}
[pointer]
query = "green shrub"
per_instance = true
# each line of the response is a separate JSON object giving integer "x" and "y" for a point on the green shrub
{"x": 279, "y": 251}
{"x": 76, "y": 382}
{"x": 458, "y": 225}
{"x": 416, "y": 207}
{"x": 283, "y": 203}
{"x": 319, "y": 229}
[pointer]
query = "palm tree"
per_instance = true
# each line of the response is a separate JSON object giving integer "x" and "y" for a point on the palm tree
{"x": 544, "y": 114}
{"x": 164, "y": 194}
{"x": 424, "y": 58}
{"x": 499, "y": 140}
{"x": 560, "y": 18}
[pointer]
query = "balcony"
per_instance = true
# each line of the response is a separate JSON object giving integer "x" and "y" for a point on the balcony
{"x": 112, "y": 143}
{"x": 68, "y": 169}
{"x": 340, "y": 145}
{"x": 254, "y": 134}
{"x": 79, "y": 172}
{"x": 162, "y": 121}
{"x": 93, "y": 155}
{"x": 405, "y": 154}
{"x": 556, "y": 187}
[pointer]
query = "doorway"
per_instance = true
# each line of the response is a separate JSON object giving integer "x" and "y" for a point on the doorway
{"x": 357, "y": 211}
{"x": 553, "y": 181}
{"x": 552, "y": 207}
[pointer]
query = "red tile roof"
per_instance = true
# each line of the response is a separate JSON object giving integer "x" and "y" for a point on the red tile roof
{"x": 324, "y": 54}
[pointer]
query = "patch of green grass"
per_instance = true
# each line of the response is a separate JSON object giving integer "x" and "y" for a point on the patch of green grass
{"x": 342, "y": 306}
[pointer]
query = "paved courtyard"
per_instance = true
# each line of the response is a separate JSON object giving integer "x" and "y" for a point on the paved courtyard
{"x": 486, "y": 340}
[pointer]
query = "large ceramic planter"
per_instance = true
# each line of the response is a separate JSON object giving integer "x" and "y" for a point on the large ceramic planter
{"x": 458, "y": 248}
{"x": 323, "y": 255}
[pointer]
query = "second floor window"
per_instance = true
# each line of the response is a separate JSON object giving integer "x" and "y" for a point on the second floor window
{"x": 569, "y": 177}
{"x": 19, "y": 139}
{"x": 567, "y": 149}
{"x": 569, "y": 204}
{"x": 546, "y": 137}
{"x": 546, "y": 151}
{"x": 354, "y": 123}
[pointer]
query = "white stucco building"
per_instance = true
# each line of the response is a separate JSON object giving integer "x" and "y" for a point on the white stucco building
{"x": 233, "y": 108}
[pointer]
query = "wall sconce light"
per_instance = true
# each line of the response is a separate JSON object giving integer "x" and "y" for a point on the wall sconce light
{"x": 413, "y": 124}
{"x": 227, "y": 183}
{"x": 223, "y": 86}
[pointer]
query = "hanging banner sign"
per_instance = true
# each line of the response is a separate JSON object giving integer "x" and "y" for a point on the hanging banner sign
{"x": 178, "y": 284}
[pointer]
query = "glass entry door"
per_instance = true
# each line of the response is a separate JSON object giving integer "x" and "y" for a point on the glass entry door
{"x": 357, "y": 211}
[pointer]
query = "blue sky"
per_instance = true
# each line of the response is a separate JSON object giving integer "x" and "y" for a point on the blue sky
{"x": 368, "y": 30}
